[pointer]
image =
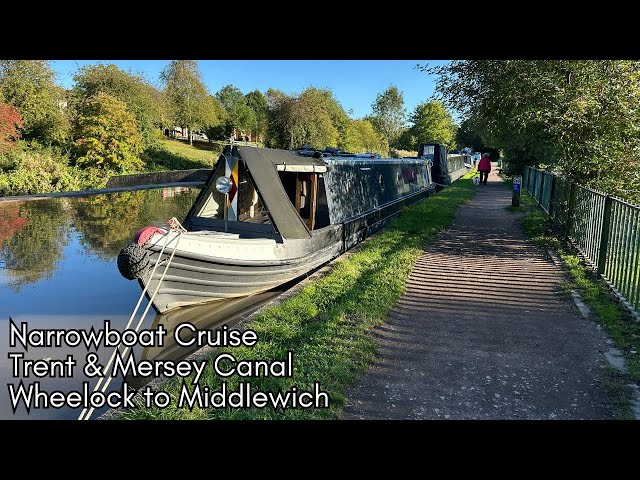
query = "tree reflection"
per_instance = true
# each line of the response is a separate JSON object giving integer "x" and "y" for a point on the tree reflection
{"x": 11, "y": 220}
{"x": 32, "y": 246}
{"x": 33, "y": 234}
{"x": 106, "y": 223}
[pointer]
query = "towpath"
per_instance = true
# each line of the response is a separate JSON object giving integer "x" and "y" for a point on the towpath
{"x": 483, "y": 331}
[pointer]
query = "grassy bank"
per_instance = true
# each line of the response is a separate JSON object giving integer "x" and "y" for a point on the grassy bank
{"x": 174, "y": 154}
{"x": 33, "y": 168}
{"x": 327, "y": 325}
{"x": 623, "y": 329}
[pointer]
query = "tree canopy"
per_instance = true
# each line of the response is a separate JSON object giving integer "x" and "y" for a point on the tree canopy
{"x": 367, "y": 139}
{"x": 28, "y": 85}
{"x": 431, "y": 123}
{"x": 467, "y": 136}
{"x": 258, "y": 103}
{"x": 389, "y": 113}
{"x": 579, "y": 117}
{"x": 188, "y": 103}
{"x": 239, "y": 115}
{"x": 134, "y": 90}
{"x": 107, "y": 135}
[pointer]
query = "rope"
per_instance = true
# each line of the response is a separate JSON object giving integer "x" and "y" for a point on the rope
{"x": 87, "y": 414}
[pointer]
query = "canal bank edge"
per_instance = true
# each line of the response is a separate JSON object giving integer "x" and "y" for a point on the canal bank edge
{"x": 128, "y": 183}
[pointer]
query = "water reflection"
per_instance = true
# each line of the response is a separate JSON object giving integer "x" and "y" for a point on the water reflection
{"x": 107, "y": 222}
{"x": 33, "y": 242}
{"x": 57, "y": 269}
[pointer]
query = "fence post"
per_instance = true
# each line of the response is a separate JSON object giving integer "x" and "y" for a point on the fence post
{"x": 604, "y": 235}
{"x": 551, "y": 195}
{"x": 571, "y": 208}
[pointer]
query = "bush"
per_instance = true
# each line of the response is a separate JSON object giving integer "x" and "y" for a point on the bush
{"x": 44, "y": 171}
{"x": 10, "y": 123}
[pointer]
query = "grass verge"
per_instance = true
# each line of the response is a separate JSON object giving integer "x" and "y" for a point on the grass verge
{"x": 174, "y": 154}
{"x": 327, "y": 325}
{"x": 623, "y": 329}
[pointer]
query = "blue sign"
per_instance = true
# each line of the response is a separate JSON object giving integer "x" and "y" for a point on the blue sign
{"x": 516, "y": 187}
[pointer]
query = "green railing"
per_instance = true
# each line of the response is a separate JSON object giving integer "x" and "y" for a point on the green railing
{"x": 605, "y": 229}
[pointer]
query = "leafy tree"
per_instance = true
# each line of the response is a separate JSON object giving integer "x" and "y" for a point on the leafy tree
{"x": 188, "y": 102}
{"x": 432, "y": 123}
{"x": 10, "y": 123}
{"x": 368, "y": 139}
{"x": 28, "y": 85}
{"x": 279, "y": 105}
{"x": 468, "y": 136}
{"x": 107, "y": 135}
{"x": 578, "y": 116}
{"x": 239, "y": 115}
{"x": 217, "y": 126}
{"x": 258, "y": 103}
{"x": 313, "y": 117}
{"x": 141, "y": 98}
{"x": 389, "y": 113}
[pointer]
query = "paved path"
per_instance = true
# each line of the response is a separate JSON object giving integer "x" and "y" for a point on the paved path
{"x": 483, "y": 331}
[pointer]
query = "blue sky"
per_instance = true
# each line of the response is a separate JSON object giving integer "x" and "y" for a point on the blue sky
{"x": 355, "y": 83}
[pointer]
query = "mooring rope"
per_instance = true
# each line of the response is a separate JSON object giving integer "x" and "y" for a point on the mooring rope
{"x": 86, "y": 415}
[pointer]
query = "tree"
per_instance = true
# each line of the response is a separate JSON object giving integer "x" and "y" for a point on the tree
{"x": 28, "y": 85}
{"x": 368, "y": 139}
{"x": 579, "y": 117}
{"x": 239, "y": 115}
{"x": 217, "y": 124}
{"x": 107, "y": 135}
{"x": 10, "y": 123}
{"x": 468, "y": 136}
{"x": 188, "y": 102}
{"x": 141, "y": 98}
{"x": 389, "y": 113}
{"x": 258, "y": 103}
{"x": 314, "y": 117}
{"x": 432, "y": 123}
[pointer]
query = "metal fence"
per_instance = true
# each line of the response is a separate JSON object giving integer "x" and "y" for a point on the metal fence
{"x": 605, "y": 229}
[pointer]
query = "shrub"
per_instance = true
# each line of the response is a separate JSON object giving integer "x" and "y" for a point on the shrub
{"x": 44, "y": 171}
{"x": 10, "y": 122}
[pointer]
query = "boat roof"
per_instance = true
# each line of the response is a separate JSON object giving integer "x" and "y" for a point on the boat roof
{"x": 261, "y": 163}
{"x": 283, "y": 160}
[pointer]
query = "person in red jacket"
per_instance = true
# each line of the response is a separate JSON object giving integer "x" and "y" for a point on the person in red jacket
{"x": 484, "y": 167}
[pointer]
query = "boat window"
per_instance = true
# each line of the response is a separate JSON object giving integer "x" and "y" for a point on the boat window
{"x": 212, "y": 207}
{"x": 245, "y": 204}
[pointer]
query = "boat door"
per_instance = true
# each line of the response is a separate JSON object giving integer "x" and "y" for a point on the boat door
{"x": 306, "y": 197}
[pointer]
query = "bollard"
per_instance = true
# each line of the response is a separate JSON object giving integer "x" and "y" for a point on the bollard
{"x": 517, "y": 183}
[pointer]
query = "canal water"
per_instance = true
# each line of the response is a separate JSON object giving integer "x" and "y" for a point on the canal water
{"x": 58, "y": 270}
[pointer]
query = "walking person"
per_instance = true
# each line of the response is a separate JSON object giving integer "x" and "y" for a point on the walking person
{"x": 484, "y": 167}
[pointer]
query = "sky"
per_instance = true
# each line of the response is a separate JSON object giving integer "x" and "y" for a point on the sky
{"x": 355, "y": 83}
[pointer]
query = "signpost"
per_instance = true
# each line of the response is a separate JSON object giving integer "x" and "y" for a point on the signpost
{"x": 517, "y": 183}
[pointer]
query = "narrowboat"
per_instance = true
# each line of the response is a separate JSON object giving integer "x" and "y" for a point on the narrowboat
{"x": 268, "y": 216}
{"x": 446, "y": 168}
